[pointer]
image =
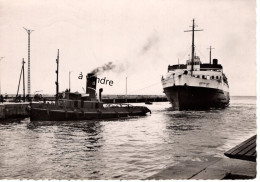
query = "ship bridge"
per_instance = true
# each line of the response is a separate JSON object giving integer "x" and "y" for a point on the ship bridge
{"x": 211, "y": 67}
{"x": 198, "y": 66}
{"x": 196, "y": 63}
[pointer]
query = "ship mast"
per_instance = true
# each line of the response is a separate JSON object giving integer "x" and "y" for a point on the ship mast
{"x": 210, "y": 48}
{"x": 22, "y": 72}
{"x": 57, "y": 81}
{"x": 193, "y": 45}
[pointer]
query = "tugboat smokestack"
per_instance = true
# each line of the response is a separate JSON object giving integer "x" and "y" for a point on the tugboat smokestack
{"x": 100, "y": 94}
{"x": 91, "y": 86}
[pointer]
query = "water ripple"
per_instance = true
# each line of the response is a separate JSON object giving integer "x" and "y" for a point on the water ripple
{"x": 132, "y": 148}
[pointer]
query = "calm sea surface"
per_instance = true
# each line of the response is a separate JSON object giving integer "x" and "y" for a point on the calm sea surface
{"x": 133, "y": 148}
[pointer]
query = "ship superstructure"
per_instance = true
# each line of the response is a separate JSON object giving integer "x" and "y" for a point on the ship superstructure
{"x": 195, "y": 85}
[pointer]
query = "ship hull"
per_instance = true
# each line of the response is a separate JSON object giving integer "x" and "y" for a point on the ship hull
{"x": 196, "y": 98}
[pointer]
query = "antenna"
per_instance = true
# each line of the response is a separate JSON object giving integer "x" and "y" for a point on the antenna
{"x": 210, "y": 48}
{"x": 193, "y": 45}
{"x": 29, "y": 74}
{"x": 125, "y": 86}
{"x": 0, "y": 73}
{"x": 69, "y": 80}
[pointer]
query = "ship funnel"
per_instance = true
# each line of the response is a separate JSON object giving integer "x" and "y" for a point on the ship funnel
{"x": 215, "y": 61}
{"x": 91, "y": 86}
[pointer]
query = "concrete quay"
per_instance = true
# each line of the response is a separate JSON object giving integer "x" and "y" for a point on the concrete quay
{"x": 133, "y": 98}
{"x": 14, "y": 110}
{"x": 109, "y": 98}
{"x": 209, "y": 168}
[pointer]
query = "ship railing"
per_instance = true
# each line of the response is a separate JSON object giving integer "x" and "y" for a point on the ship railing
{"x": 43, "y": 105}
{"x": 117, "y": 105}
{"x": 211, "y": 69}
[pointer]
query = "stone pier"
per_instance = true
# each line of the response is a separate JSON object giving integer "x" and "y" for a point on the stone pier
{"x": 14, "y": 110}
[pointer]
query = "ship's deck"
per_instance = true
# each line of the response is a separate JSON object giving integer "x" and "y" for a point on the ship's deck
{"x": 202, "y": 66}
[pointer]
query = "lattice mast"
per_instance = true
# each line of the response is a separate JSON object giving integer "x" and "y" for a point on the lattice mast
{"x": 29, "y": 69}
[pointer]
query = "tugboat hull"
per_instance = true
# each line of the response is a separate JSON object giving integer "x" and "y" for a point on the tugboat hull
{"x": 38, "y": 114}
{"x": 196, "y": 98}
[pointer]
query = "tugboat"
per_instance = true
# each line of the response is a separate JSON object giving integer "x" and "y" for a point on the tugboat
{"x": 75, "y": 106}
{"x": 194, "y": 85}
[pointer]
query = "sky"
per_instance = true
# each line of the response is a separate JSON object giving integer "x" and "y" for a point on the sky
{"x": 140, "y": 37}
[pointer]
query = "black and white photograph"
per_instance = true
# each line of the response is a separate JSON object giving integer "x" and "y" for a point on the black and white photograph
{"x": 128, "y": 89}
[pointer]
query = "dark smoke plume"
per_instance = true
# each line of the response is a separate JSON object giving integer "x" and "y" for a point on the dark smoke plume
{"x": 107, "y": 67}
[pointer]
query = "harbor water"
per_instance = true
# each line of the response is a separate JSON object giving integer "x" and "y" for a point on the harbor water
{"x": 131, "y": 148}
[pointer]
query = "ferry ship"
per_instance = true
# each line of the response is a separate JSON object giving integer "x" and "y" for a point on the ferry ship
{"x": 196, "y": 85}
